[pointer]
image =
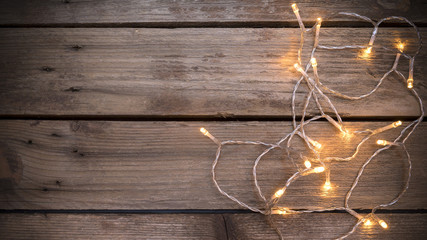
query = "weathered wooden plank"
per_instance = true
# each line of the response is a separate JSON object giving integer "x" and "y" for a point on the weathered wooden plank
{"x": 112, "y": 226}
{"x": 325, "y": 226}
{"x": 167, "y": 165}
{"x": 202, "y": 226}
{"x": 24, "y": 12}
{"x": 191, "y": 72}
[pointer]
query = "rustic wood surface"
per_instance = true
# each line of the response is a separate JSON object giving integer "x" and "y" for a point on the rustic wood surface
{"x": 166, "y": 165}
{"x": 191, "y": 12}
{"x": 123, "y": 171}
{"x": 324, "y": 226}
{"x": 196, "y": 72}
{"x": 112, "y": 226}
{"x": 202, "y": 226}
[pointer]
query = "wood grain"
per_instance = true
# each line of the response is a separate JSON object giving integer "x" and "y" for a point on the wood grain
{"x": 112, "y": 226}
{"x": 324, "y": 226}
{"x": 192, "y": 72}
{"x": 203, "y": 226}
{"x": 176, "y": 13}
{"x": 167, "y": 165}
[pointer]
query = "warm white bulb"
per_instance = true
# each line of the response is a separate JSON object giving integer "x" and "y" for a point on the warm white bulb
{"x": 297, "y": 67}
{"x": 367, "y": 222}
{"x": 307, "y": 164}
{"x": 401, "y": 46}
{"x": 204, "y": 131}
{"x": 313, "y": 62}
{"x": 279, "y": 193}
{"x": 327, "y": 185}
{"x": 295, "y": 7}
{"x": 410, "y": 83}
{"x": 316, "y": 144}
{"x": 319, "y": 169}
{"x": 319, "y": 22}
{"x": 397, "y": 124}
{"x": 383, "y": 224}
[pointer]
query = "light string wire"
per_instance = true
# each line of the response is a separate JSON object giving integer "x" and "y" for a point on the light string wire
{"x": 316, "y": 92}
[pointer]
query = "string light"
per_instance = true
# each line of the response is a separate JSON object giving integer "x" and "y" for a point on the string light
{"x": 383, "y": 142}
{"x": 316, "y": 93}
{"x": 319, "y": 169}
{"x": 307, "y": 164}
{"x": 327, "y": 186}
{"x": 207, "y": 134}
{"x": 367, "y": 222}
{"x": 279, "y": 193}
{"x": 410, "y": 83}
{"x": 383, "y": 224}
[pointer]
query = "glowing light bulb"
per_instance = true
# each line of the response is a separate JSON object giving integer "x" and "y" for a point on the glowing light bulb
{"x": 397, "y": 124}
{"x": 401, "y": 46}
{"x": 298, "y": 67}
{"x": 346, "y": 134}
{"x": 388, "y": 127}
{"x": 319, "y": 169}
{"x": 307, "y": 164}
{"x": 313, "y": 62}
{"x": 204, "y": 131}
{"x": 383, "y": 224}
{"x": 367, "y": 222}
{"x": 316, "y": 144}
{"x": 295, "y": 8}
{"x": 319, "y": 22}
{"x": 207, "y": 134}
{"x": 368, "y": 50}
{"x": 410, "y": 83}
{"x": 281, "y": 212}
{"x": 327, "y": 185}
{"x": 279, "y": 193}
{"x": 382, "y": 142}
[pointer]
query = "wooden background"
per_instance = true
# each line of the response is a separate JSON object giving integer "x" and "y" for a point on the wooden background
{"x": 101, "y": 104}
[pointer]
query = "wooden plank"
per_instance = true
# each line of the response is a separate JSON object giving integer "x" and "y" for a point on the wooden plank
{"x": 112, "y": 226}
{"x": 167, "y": 165}
{"x": 325, "y": 226}
{"x": 202, "y": 226}
{"x": 152, "y": 12}
{"x": 192, "y": 72}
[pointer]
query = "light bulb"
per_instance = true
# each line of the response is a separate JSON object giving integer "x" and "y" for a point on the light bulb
{"x": 295, "y": 7}
{"x": 382, "y": 142}
{"x": 367, "y": 222}
{"x": 281, "y": 212}
{"x": 316, "y": 144}
{"x": 279, "y": 193}
{"x": 397, "y": 124}
{"x": 401, "y": 46}
{"x": 383, "y": 224}
{"x": 319, "y": 22}
{"x": 319, "y": 169}
{"x": 368, "y": 50}
{"x": 410, "y": 83}
{"x": 207, "y": 134}
{"x": 327, "y": 185}
{"x": 204, "y": 131}
{"x": 297, "y": 67}
{"x": 346, "y": 134}
{"x": 307, "y": 164}
{"x": 313, "y": 62}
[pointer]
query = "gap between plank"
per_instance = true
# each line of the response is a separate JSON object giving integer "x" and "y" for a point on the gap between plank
{"x": 193, "y": 211}
{"x": 269, "y": 24}
{"x": 187, "y": 118}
